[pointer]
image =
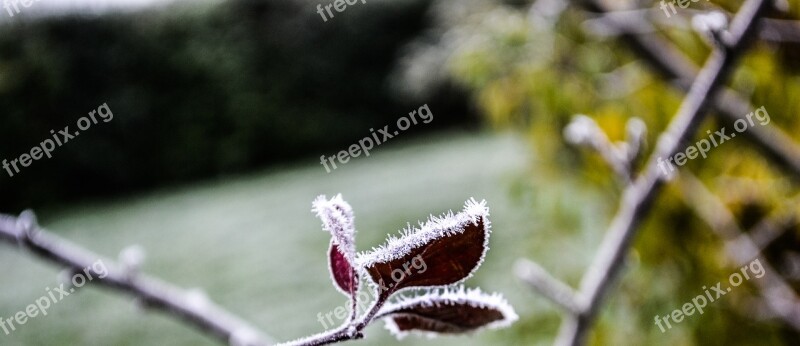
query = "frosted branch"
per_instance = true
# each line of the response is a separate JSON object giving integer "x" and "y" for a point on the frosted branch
{"x": 584, "y": 131}
{"x": 638, "y": 197}
{"x": 777, "y": 294}
{"x": 548, "y": 286}
{"x": 207, "y": 317}
{"x": 648, "y": 21}
{"x": 679, "y": 70}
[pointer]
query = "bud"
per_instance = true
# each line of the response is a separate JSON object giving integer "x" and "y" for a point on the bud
{"x": 337, "y": 218}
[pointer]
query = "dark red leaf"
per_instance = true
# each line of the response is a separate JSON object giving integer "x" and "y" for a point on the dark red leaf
{"x": 344, "y": 276}
{"x": 450, "y": 247}
{"x": 448, "y": 313}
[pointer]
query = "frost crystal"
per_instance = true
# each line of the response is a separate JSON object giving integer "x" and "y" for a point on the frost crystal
{"x": 337, "y": 218}
{"x": 449, "y": 297}
{"x": 435, "y": 228}
{"x": 344, "y": 277}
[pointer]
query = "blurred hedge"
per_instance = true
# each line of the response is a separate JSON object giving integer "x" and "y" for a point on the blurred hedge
{"x": 532, "y": 67}
{"x": 199, "y": 90}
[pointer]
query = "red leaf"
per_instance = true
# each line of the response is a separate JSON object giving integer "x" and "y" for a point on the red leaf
{"x": 344, "y": 276}
{"x": 451, "y": 248}
{"x": 448, "y": 312}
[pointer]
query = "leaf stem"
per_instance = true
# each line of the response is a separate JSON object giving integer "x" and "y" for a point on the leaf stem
{"x": 348, "y": 331}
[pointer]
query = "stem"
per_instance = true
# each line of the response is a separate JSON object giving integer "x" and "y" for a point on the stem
{"x": 547, "y": 285}
{"x": 348, "y": 331}
{"x": 353, "y": 296}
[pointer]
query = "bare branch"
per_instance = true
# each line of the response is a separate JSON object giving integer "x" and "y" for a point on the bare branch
{"x": 769, "y": 229}
{"x": 676, "y": 68}
{"x": 548, "y": 286}
{"x": 154, "y": 293}
{"x": 641, "y": 21}
{"x": 584, "y": 131}
{"x": 778, "y": 295}
{"x": 637, "y": 198}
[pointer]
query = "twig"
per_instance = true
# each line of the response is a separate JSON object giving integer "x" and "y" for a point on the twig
{"x": 641, "y": 21}
{"x": 778, "y": 295}
{"x": 350, "y": 330}
{"x": 584, "y": 131}
{"x": 769, "y": 229}
{"x": 548, "y": 286}
{"x": 676, "y": 68}
{"x": 638, "y": 197}
{"x": 154, "y": 293}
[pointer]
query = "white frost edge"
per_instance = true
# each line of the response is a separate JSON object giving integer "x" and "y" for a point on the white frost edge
{"x": 337, "y": 218}
{"x": 436, "y": 227}
{"x": 333, "y": 279}
{"x": 473, "y": 297}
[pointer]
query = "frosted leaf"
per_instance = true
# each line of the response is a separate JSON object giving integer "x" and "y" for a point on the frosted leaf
{"x": 337, "y": 218}
{"x": 449, "y": 311}
{"x": 344, "y": 277}
{"x": 443, "y": 251}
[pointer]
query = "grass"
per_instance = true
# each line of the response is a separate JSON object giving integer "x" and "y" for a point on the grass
{"x": 252, "y": 244}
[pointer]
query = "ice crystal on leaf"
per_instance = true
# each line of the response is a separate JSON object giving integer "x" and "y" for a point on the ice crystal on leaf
{"x": 337, "y": 218}
{"x": 432, "y": 258}
{"x": 447, "y": 311}
{"x": 342, "y": 273}
{"x": 453, "y": 246}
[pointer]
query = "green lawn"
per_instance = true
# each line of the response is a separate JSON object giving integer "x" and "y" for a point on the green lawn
{"x": 252, "y": 243}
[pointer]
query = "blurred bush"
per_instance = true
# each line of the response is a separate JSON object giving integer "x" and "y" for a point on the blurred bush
{"x": 533, "y": 65}
{"x": 199, "y": 90}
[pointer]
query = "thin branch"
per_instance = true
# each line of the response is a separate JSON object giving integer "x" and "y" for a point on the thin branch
{"x": 350, "y": 330}
{"x": 778, "y": 295}
{"x": 676, "y": 68}
{"x": 641, "y": 21}
{"x": 548, "y": 286}
{"x": 154, "y": 293}
{"x": 584, "y": 131}
{"x": 637, "y": 198}
{"x": 769, "y": 229}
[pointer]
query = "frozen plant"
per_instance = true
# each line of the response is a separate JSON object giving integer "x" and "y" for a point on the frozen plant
{"x": 451, "y": 246}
